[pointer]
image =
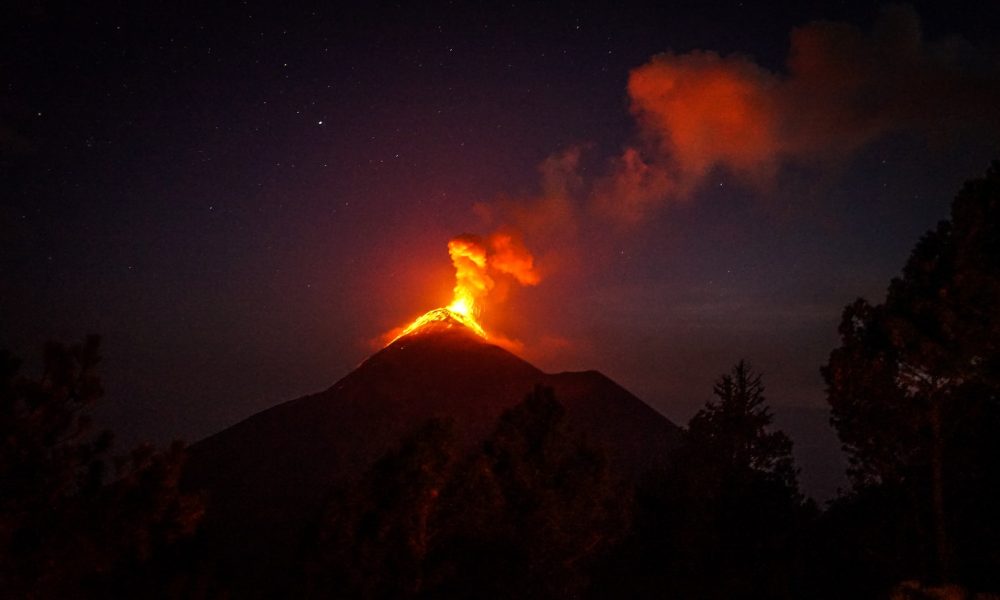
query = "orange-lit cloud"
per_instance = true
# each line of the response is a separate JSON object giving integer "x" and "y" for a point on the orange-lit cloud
{"x": 842, "y": 89}
{"x": 509, "y": 256}
{"x": 634, "y": 187}
{"x": 705, "y": 110}
{"x": 551, "y": 214}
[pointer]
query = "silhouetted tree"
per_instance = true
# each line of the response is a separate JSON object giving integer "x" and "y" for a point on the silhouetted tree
{"x": 915, "y": 391}
{"x": 533, "y": 511}
{"x": 741, "y": 495}
{"x": 68, "y": 522}
{"x": 733, "y": 433}
{"x": 725, "y": 520}
{"x": 526, "y": 514}
{"x": 374, "y": 536}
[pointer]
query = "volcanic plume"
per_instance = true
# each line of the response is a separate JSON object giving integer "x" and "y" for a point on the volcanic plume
{"x": 477, "y": 262}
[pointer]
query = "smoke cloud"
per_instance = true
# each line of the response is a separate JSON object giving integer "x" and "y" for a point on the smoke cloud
{"x": 509, "y": 256}
{"x": 501, "y": 253}
{"x": 842, "y": 88}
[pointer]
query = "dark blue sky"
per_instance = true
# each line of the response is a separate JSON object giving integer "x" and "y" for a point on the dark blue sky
{"x": 240, "y": 200}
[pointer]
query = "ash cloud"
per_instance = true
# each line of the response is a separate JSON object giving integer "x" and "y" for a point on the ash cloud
{"x": 842, "y": 88}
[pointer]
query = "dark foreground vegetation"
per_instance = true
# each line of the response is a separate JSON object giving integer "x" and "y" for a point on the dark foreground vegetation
{"x": 535, "y": 510}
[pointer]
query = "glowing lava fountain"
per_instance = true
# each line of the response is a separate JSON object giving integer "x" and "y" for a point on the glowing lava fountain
{"x": 473, "y": 260}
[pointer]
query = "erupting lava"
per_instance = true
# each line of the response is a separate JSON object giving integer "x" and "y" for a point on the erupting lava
{"x": 474, "y": 259}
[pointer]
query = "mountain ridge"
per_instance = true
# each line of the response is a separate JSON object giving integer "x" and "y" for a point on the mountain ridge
{"x": 269, "y": 474}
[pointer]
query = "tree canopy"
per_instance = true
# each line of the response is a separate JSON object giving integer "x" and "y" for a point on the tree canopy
{"x": 914, "y": 386}
{"x": 734, "y": 431}
{"x": 526, "y": 513}
{"x": 71, "y": 514}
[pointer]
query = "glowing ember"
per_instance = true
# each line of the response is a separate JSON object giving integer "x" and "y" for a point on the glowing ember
{"x": 473, "y": 260}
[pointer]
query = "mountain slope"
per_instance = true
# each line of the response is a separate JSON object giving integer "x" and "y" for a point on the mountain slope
{"x": 268, "y": 475}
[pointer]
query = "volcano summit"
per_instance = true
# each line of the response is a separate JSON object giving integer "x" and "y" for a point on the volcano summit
{"x": 441, "y": 319}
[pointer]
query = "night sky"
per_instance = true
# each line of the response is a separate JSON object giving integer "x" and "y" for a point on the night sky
{"x": 242, "y": 200}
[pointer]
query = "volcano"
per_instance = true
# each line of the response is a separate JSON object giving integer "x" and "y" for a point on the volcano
{"x": 268, "y": 476}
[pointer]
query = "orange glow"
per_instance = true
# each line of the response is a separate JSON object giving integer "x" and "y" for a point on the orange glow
{"x": 443, "y": 316}
{"x": 708, "y": 110}
{"x": 474, "y": 260}
{"x": 509, "y": 256}
{"x": 472, "y": 283}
